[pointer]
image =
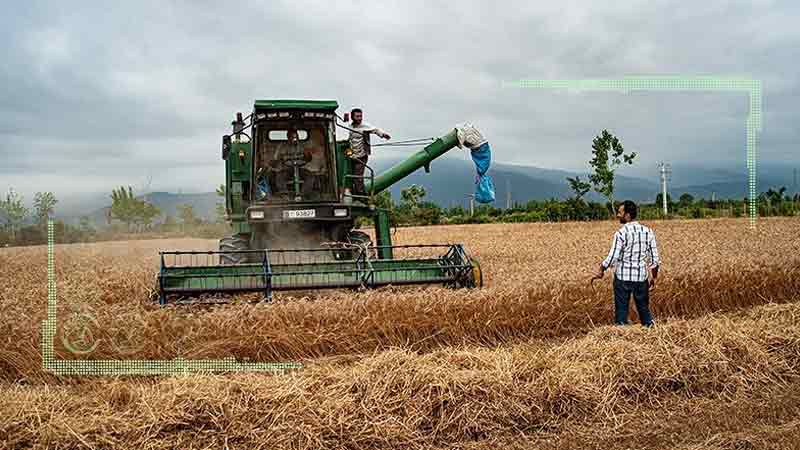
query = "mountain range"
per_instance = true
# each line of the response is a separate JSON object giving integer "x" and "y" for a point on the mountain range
{"x": 452, "y": 179}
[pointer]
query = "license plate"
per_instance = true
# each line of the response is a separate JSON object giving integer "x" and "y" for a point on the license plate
{"x": 299, "y": 214}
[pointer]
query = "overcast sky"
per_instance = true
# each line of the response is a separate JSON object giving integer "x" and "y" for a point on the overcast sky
{"x": 96, "y": 94}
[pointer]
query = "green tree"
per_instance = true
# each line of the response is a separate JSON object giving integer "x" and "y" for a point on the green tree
{"x": 660, "y": 199}
{"x": 124, "y": 206}
{"x": 131, "y": 210}
{"x": 220, "y": 207}
{"x": 145, "y": 212}
{"x": 772, "y": 200}
{"x": 43, "y": 205}
{"x": 575, "y": 206}
{"x": 685, "y": 200}
{"x": 187, "y": 215}
{"x": 775, "y": 197}
{"x": 86, "y": 226}
{"x": 580, "y": 188}
{"x": 608, "y": 156}
{"x": 384, "y": 200}
{"x": 14, "y": 210}
{"x": 83, "y": 232}
{"x": 412, "y": 195}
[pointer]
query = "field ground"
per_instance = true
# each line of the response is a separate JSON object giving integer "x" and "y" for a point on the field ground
{"x": 530, "y": 361}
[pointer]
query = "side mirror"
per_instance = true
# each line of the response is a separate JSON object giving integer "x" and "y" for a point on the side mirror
{"x": 346, "y": 117}
{"x": 226, "y": 146}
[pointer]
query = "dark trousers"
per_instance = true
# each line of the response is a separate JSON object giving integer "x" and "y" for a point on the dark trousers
{"x": 359, "y": 165}
{"x": 641, "y": 295}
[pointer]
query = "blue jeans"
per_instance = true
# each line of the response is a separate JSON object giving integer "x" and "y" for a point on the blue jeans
{"x": 641, "y": 295}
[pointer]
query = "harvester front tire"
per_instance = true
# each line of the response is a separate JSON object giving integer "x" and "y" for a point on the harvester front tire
{"x": 361, "y": 238}
{"x": 233, "y": 243}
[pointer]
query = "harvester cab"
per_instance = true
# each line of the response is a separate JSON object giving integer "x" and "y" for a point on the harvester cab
{"x": 292, "y": 212}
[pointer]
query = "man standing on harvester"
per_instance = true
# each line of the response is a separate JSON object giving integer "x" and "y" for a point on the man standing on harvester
{"x": 360, "y": 146}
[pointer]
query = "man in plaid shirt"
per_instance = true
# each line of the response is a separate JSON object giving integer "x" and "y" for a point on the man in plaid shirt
{"x": 633, "y": 243}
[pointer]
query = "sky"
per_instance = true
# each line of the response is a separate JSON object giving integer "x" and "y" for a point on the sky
{"x": 96, "y": 95}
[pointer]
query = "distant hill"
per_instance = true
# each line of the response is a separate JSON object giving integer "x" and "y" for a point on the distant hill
{"x": 204, "y": 205}
{"x": 451, "y": 179}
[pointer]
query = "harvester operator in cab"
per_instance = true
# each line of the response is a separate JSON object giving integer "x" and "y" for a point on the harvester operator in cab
{"x": 315, "y": 168}
{"x": 276, "y": 176}
{"x": 360, "y": 146}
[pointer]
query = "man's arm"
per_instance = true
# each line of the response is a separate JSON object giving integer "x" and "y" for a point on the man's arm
{"x": 655, "y": 260}
{"x": 378, "y": 131}
{"x": 616, "y": 249}
{"x": 613, "y": 255}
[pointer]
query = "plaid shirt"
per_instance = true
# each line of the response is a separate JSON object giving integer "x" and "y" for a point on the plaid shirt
{"x": 632, "y": 244}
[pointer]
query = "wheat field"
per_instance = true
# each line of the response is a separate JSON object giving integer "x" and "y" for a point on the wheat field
{"x": 529, "y": 361}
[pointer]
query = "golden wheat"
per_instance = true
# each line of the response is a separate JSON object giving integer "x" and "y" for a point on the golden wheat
{"x": 422, "y": 367}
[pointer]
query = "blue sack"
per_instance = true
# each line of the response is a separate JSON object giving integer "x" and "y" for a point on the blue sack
{"x": 484, "y": 187}
{"x": 482, "y": 156}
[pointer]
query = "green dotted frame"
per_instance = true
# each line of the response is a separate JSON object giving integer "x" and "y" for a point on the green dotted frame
{"x": 753, "y": 124}
{"x": 117, "y": 367}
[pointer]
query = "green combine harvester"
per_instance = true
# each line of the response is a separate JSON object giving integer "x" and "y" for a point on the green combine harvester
{"x": 290, "y": 204}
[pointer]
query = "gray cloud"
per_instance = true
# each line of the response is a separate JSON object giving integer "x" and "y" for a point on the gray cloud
{"x": 95, "y": 96}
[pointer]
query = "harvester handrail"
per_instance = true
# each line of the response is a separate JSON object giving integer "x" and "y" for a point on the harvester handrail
{"x": 296, "y": 250}
{"x": 316, "y": 272}
{"x": 213, "y": 275}
{"x": 208, "y": 252}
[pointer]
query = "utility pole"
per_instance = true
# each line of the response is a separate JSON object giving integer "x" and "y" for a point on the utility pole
{"x": 794, "y": 197}
{"x": 665, "y": 171}
{"x": 508, "y": 193}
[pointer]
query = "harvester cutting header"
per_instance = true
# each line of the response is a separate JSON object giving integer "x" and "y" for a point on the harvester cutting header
{"x": 292, "y": 208}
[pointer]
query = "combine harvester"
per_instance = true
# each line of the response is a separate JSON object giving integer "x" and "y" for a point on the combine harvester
{"x": 289, "y": 183}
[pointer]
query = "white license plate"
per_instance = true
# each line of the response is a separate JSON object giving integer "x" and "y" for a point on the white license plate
{"x": 299, "y": 214}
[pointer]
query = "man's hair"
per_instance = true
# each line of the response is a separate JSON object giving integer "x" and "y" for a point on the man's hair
{"x": 630, "y": 208}
{"x": 356, "y": 110}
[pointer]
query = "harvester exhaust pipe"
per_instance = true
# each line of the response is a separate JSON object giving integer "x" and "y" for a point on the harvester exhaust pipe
{"x": 238, "y": 124}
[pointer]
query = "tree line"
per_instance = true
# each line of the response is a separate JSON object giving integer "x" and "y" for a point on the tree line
{"x": 130, "y": 214}
{"x": 421, "y": 212}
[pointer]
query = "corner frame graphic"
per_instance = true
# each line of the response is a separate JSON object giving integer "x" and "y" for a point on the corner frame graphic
{"x": 753, "y": 124}
{"x": 118, "y": 367}
{"x": 177, "y": 366}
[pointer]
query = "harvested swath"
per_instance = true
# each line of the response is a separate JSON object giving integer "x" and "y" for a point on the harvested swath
{"x": 301, "y": 330}
{"x": 782, "y": 436}
{"x": 398, "y": 398}
{"x": 114, "y": 280}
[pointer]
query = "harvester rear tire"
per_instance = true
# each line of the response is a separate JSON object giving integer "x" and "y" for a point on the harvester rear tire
{"x": 231, "y": 243}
